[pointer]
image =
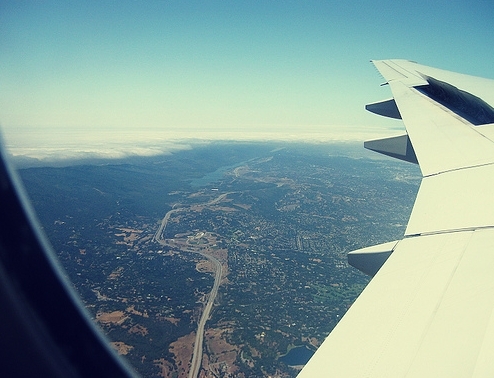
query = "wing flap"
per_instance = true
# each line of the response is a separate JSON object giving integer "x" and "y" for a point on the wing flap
{"x": 456, "y": 200}
{"x": 420, "y": 314}
{"x": 441, "y": 139}
{"x": 463, "y": 314}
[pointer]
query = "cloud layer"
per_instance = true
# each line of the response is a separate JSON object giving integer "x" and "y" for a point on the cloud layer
{"x": 45, "y": 147}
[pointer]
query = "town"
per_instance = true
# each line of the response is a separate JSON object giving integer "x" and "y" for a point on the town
{"x": 278, "y": 221}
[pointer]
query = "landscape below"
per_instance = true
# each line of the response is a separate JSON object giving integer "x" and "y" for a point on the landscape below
{"x": 279, "y": 217}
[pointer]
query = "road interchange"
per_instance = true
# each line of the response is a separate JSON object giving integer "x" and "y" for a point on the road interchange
{"x": 218, "y": 273}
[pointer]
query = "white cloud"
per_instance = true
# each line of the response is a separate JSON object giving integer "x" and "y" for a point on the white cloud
{"x": 45, "y": 146}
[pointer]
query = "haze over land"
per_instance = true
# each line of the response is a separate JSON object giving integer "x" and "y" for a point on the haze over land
{"x": 33, "y": 147}
{"x": 278, "y": 217}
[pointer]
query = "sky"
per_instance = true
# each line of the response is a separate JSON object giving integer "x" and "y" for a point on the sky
{"x": 93, "y": 75}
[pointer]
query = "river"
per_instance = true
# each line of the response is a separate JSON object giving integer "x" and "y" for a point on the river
{"x": 214, "y": 176}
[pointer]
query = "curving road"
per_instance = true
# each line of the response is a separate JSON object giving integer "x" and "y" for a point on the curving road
{"x": 159, "y": 234}
{"x": 197, "y": 353}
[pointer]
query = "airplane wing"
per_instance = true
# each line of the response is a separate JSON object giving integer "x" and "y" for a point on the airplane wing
{"x": 429, "y": 308}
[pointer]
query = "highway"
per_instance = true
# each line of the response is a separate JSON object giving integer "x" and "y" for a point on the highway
{"x": 197, "y": 355}
{"x": 159, "y": 234}
{"x": 158, "y": 237}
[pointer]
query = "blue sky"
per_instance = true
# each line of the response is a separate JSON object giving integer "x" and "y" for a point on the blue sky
{"x": 222, "y": 66}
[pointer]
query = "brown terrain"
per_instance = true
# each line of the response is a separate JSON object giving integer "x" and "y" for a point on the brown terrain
{"x": 219, "y": 356}
{"x": 218, "y": 359}
{"x": 121, "y": 347}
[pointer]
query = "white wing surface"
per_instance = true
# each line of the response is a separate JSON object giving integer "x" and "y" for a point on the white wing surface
{"x": 429, "y": 309}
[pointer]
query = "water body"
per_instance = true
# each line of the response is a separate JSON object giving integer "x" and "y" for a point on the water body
{"x": 297, "y": 356}
{"x": 214, "y": 176}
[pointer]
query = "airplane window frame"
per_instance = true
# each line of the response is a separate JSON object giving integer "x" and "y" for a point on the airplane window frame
{"x": 44, "y": 327}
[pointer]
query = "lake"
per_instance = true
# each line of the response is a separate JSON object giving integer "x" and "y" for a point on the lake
{"x": 297, "y": 356}
{"x": 213, "y": 176}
